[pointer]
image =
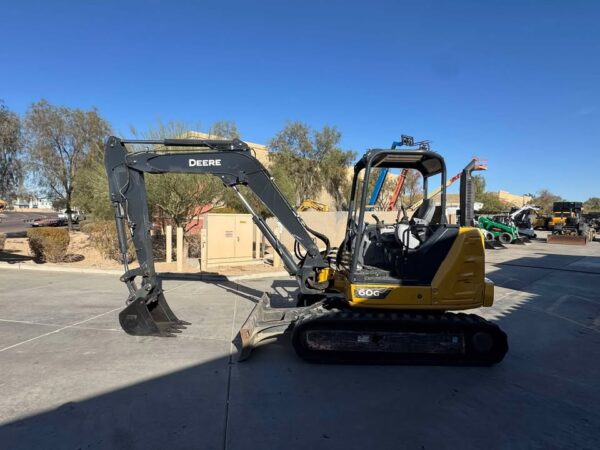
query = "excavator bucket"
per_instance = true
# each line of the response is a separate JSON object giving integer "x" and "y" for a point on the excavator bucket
{"x": 567, "y": 239}
{"x": 151, "y": 319}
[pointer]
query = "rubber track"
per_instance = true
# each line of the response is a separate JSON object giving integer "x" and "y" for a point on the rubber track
{"x": 365, "y": 321}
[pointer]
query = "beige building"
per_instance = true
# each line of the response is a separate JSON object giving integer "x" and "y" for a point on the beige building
{"x": 512, "y": 199}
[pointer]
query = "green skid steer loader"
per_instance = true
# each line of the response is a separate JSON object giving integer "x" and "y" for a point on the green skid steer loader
{"x": 499, "y": 232}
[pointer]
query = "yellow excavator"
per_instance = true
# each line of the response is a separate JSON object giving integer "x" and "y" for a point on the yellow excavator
{"x": 391, "y": 293}
{"x": 312, "y": 204}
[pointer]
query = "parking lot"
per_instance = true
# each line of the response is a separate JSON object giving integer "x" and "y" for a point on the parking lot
{"x": 16, "y": 223}
{"x": 70, "y": 378}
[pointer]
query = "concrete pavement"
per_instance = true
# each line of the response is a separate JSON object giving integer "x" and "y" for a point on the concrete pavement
{"x": 70, "y": 378}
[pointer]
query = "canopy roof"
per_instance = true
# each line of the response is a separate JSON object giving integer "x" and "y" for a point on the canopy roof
{"x": 427, "y": 162}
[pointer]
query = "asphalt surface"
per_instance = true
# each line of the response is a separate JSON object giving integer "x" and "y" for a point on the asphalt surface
{"x": 14, "y": 223}
{"x": 70, "y": 378}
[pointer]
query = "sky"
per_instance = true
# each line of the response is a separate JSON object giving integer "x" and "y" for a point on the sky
{"x": 516, "y": 83}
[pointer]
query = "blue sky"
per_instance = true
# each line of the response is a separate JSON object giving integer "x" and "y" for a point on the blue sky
{"x": 516, "y": 83}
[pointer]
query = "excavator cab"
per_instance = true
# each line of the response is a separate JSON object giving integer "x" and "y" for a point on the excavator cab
{"x": 410, "y": 258}
{"x": 376, "y": 250}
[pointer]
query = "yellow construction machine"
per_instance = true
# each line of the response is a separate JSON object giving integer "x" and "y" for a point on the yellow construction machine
{"x": 311, "y": 204}
{"x": 569, "y": 227}
{"x": 391, "y": 293}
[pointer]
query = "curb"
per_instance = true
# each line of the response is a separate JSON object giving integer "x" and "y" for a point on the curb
{"x": 197, "y": 276}
{"x": 20, "y": 266}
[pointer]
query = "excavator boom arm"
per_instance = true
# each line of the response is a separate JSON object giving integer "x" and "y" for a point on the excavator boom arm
{"x": 231, "y": 161}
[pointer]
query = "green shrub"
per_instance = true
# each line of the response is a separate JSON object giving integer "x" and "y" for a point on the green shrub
{"x": 2, "y": 241}
{"x": 48, "y": 244}
{"x": 103, "y": 237}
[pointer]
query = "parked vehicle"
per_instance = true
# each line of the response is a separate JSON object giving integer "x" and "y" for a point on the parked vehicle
{"x": 49, "y": 222}
{"x": 76, "y": 215}
{"x": 505, "y": 233}
{"x": 574, "y": 230}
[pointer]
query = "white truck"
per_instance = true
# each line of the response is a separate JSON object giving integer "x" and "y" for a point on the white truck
{"x": 76, "y": 215}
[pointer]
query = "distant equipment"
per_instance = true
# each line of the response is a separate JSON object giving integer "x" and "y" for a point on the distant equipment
{"x": 311, "y": 204}
{"x": 573, "y": 230}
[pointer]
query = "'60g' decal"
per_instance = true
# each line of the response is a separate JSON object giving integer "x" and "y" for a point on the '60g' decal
{"x": 371, "y": 292}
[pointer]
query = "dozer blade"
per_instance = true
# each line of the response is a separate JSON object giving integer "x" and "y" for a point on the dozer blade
{"x": 566, "y": 239}
{"x": 154, "y": 318}
{"x": 494, "y": 245}
{"x": 264, "y": 322}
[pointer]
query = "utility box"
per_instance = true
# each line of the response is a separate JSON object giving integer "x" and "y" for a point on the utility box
{"x": 229, "y": 239}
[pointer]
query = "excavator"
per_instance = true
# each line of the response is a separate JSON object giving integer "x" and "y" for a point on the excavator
{"x": 309, "y": 204}
{"x": 390, "y": 294}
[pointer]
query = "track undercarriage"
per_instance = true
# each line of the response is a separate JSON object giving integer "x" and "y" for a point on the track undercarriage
{"x": 331, "y": 332}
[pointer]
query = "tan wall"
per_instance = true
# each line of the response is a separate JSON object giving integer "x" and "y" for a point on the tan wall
{"x": 331, "y": 224}
{"x": 517, "y": 200}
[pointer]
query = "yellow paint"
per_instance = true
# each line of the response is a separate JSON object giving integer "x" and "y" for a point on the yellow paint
{"x": 459, "y": 282}
{"x": 325, "y": 275}
{"x": 415, "y": 296}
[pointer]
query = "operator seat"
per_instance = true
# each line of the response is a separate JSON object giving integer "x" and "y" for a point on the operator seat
{"x": 419, "y": 223}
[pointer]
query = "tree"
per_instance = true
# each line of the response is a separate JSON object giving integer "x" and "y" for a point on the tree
{"x": 492, "y": 204}
{"x": 59, "y": 141}
{"x": 11, "y": 145}
{"x": 479, "y": 187}
{"x": 90, "y": 191}
{"x": 545, "y": 200}
{"x": 592, "y": 204}
{"x": 412, "y": 190}
{"x": 334, "y": 165}
{"x": 178, "y": 195}
{"x": 224, "y": 129}
{"x": 312, "y": 161}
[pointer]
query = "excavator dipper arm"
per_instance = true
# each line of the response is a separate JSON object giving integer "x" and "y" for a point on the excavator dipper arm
{"x": 147, "y": 312}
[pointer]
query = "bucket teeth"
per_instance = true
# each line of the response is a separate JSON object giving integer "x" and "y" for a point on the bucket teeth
{"x": 153, "y": 318}
{"x": 174, "y": 330}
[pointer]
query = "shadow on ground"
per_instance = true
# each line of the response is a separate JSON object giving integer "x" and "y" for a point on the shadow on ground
{"x": 13, "y": 257}
{"x": 543, "y": 395}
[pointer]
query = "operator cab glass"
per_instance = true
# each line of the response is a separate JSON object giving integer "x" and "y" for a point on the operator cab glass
{"x": 380, "y": 241}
